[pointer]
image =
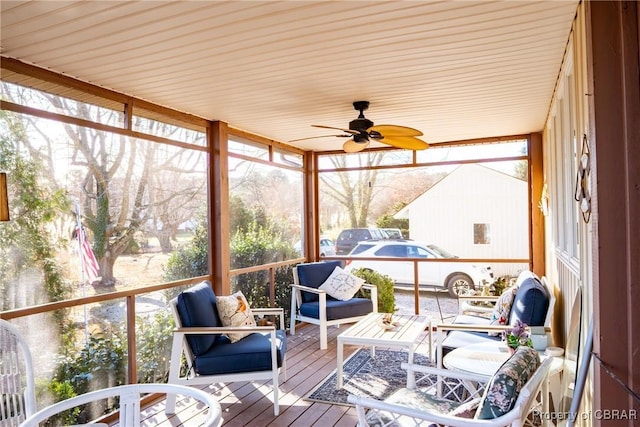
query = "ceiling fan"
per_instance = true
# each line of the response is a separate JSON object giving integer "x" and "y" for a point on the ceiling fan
{"x": 362, "y": 131}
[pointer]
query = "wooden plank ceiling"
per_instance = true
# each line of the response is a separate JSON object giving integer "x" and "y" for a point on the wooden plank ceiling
{"x": 453, "y": 69}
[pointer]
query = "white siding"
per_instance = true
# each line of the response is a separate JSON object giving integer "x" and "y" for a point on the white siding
{"x": 473, "y": 194}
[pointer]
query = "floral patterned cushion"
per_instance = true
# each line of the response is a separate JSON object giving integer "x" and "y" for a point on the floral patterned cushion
{"x": 505, "y": 385}
{"x": 502, "y": 309}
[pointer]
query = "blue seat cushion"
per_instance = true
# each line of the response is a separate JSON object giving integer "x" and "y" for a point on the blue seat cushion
{"x": 337, "y": 309}
{"x": 314, "y": 274}
{"x": 250, "y": 354}
{"x": 530, "y": 304}
{"x": 197, "y": 307}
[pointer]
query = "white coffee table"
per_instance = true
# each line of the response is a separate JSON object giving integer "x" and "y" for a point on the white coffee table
{"x": 368, "y": 332}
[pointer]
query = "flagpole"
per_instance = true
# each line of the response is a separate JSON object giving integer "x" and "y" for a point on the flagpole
{"x": 80, "y": 235}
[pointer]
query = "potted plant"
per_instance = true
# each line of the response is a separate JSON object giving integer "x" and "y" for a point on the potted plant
{"x": 517, "y": 336}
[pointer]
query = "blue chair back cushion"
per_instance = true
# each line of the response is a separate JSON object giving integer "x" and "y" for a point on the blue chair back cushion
{"x": 530, "y": 304}
{"x": 337, "y": 309}
{"x": 197, "y": 307}
{"x": 314, "y": 274}
{"x": 505, "y": 385}
{"x": 250, "y": 354}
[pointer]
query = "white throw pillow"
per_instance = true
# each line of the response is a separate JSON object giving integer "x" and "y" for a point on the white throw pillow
{"x": 234, "y": 310}
{"x": 341, "y": 285}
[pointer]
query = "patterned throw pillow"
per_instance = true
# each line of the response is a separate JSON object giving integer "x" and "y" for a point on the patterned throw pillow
{"x": 505, "y": 385}
{"x": 341, "y": 285}
{"x": 500, "y": 314}
{"x": 234, "y": 310}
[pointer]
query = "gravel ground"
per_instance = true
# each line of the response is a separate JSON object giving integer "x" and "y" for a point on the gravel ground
{"x": 429, "y": 301}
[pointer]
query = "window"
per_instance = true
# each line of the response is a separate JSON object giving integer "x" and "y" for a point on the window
{"x": 432, "y": 200}
{"x": 418, "y": 252}
{"x": 481, "y": 234}
{"x": 564, "y": 145}
{"x": 392, "y": 250}
{"x": 266, "y": 203}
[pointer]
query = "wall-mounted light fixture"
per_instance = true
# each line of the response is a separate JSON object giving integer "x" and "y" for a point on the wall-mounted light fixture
{"x": 4, "y": 198}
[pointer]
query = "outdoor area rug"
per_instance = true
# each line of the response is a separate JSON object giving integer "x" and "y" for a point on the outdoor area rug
{"x": 363, "y": 376}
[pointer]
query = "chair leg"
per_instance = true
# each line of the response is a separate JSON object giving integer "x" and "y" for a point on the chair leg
{"x": 323, "y": 337}
{"x": 174, "y": 372}
{"x": 170, "y": 404}
{"x": 323, "y": 320}
{"x": 294, "y": 307}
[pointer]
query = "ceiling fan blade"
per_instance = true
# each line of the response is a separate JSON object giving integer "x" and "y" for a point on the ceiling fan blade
{"x": 393, "y": 130}
{"x": 353, "y": 147}
{"x": 321, "y": 136}
{"x": 408, "y": 142}
{"x": 351, "y": 131}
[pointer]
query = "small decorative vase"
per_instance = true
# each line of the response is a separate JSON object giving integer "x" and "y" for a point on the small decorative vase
{"x": 511, "y": 350}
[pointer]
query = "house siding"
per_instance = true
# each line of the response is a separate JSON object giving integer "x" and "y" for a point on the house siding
{"x": 472, "y": 194}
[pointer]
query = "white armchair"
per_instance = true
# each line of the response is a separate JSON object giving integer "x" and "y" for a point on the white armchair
{"x": 452, "y": 399}
{"x": 312, "y": 305}
{"x": 17, "y": 389}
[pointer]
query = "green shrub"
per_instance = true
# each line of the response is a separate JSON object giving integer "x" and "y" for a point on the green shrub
{"x": 101, "y": 363}
{"x": 154, "y": 336}
{"x": 386, "y": 297}
{"x": 63, "y": 391}
{"x": 500, "y": 284}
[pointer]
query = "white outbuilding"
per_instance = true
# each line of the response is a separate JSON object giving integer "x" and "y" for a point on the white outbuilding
{"x": 474, "y": 212}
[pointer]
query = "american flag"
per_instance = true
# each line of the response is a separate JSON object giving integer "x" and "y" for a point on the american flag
{"x": 89, "y": 262}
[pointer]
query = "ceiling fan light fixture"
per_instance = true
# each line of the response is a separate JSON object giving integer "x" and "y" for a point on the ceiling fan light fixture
{"x": 352, "y": 146}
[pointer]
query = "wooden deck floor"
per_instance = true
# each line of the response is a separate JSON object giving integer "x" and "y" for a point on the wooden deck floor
{"x": 250, "y": 404}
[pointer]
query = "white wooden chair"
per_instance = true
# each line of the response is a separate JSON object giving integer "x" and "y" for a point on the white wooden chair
{"x": 312, "y": 305}
{"x": 17, "y": 389}
{"x": 466, "y": 329}
{"x": 420, "y": 407}
{"x": 130, "y": 403}
{"x": 211, "y": 357}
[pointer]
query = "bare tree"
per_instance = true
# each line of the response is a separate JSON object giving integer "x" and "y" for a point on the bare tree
{"x": 125, "y": 185}
{"x": 354, "y": 190}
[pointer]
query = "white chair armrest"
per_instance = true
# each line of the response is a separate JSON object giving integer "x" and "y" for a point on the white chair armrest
{"x": 471, "y": 327}
{"x": 308, "y": 289}
{"x": 207, "y": 330}
{"x": 420, "y": 416}
{"x": 478, "y": 298}
{"x": 270, "y": 311}
{"x": 445, "y": 373}
{"x": 466, "y": 303}
{"x": 374, "y": 295}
